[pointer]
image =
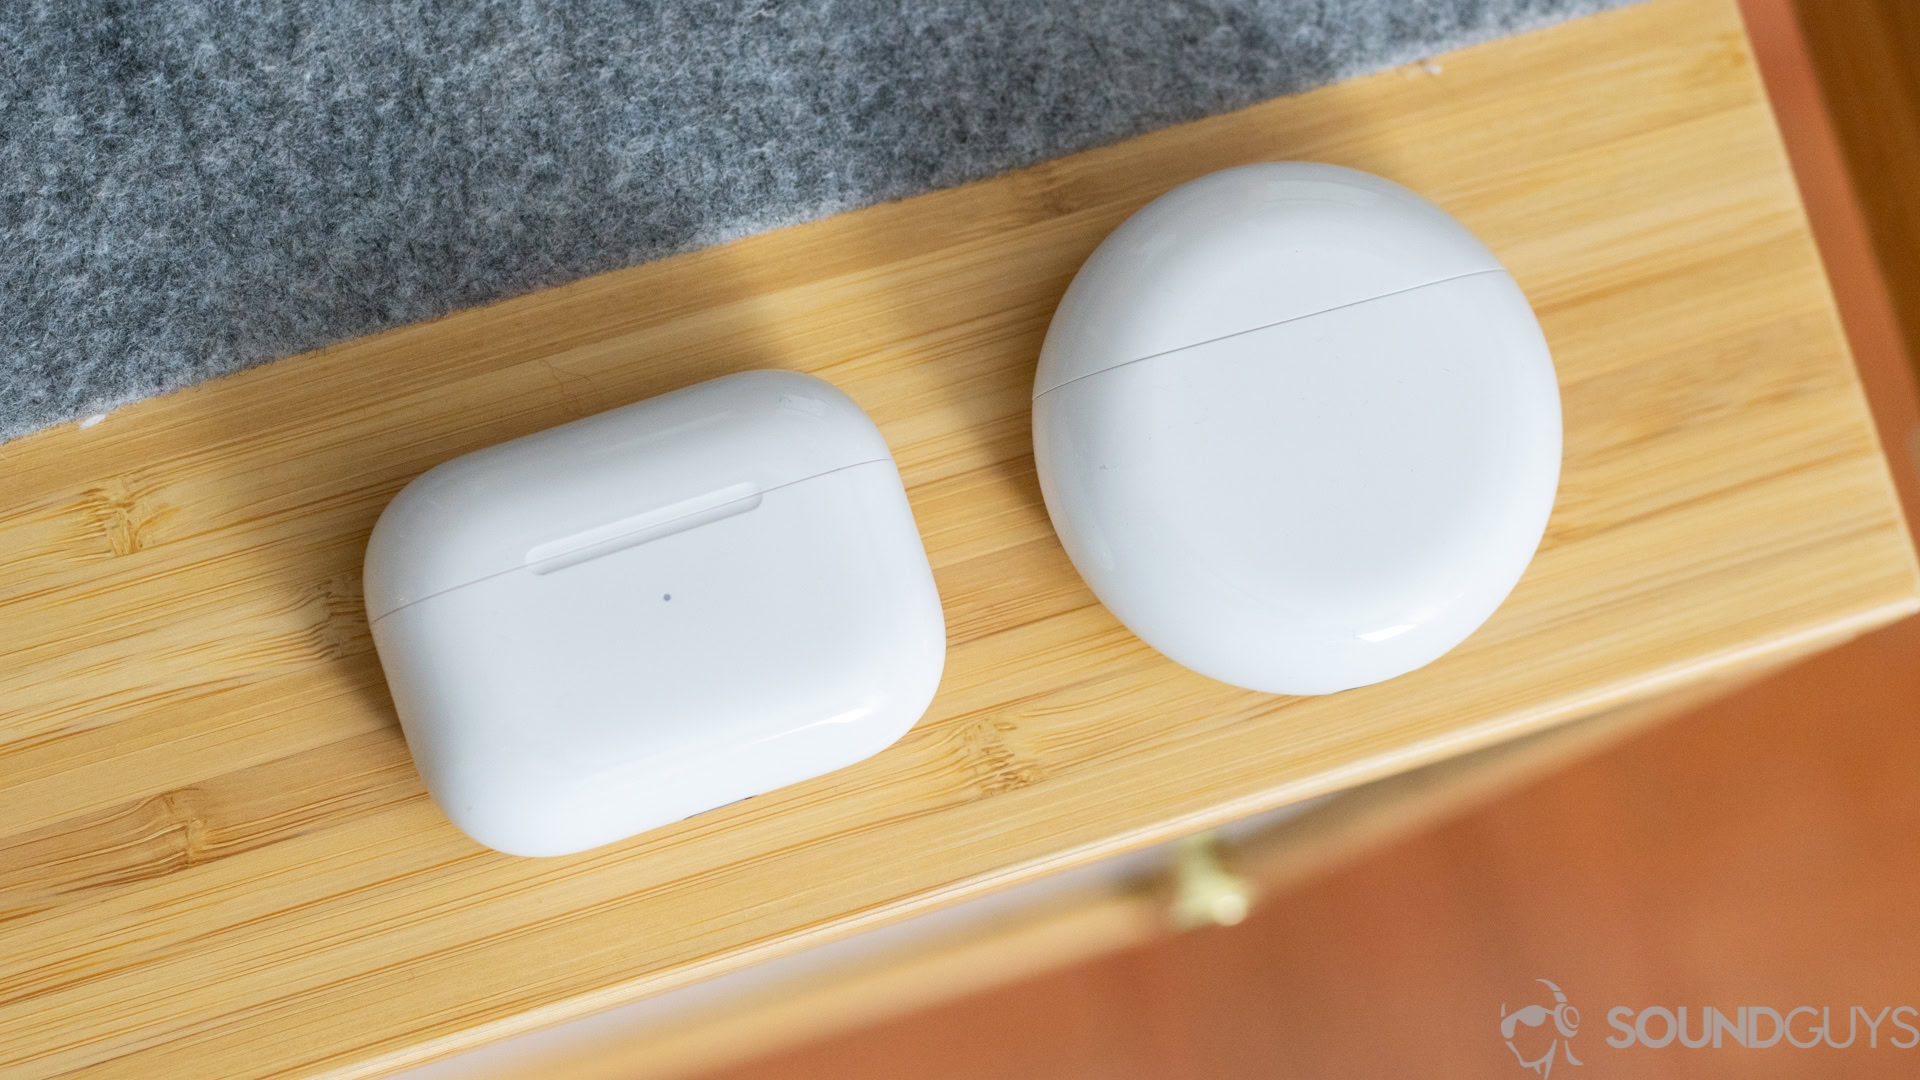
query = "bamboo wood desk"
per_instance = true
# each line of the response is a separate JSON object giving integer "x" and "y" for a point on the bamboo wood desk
{"x": 216, "y": 859}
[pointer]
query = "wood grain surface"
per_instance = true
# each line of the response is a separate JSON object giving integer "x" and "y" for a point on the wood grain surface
{"x": 217, "y": 861}
{"x": 1080, "y": 924}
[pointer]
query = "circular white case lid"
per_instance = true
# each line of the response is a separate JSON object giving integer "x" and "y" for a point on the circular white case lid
{"x": 1297, "y": 428}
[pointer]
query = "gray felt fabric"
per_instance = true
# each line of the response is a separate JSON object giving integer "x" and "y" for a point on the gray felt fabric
{"x": 189, "y": 187}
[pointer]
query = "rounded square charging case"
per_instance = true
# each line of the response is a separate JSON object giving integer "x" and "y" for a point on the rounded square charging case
{"x": 629, "y": 619}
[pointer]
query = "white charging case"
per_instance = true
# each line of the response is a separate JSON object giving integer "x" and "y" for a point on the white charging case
{"x": 614, "y": 624}
{"x": 1297, "y": 428}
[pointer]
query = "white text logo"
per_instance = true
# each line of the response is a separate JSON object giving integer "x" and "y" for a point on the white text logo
{"x": 1758, "y": 1027}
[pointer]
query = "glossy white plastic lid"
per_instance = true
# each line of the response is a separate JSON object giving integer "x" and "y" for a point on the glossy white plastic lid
{"x": 609, "y": 476}
{"x": 1296, "y": 428}
{"x": 652, "y": 612}
{"x": 1246, "y": 248}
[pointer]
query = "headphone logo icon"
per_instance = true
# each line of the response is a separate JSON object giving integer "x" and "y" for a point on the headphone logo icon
{"x": 1566, "y": 1022}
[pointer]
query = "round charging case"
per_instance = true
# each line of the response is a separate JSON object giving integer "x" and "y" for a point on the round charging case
{"x": 619, "y": 622}
{"x": 1297, "y": 428}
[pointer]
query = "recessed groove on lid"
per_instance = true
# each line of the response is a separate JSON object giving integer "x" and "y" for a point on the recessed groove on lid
{"x": 724, "y": 502}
